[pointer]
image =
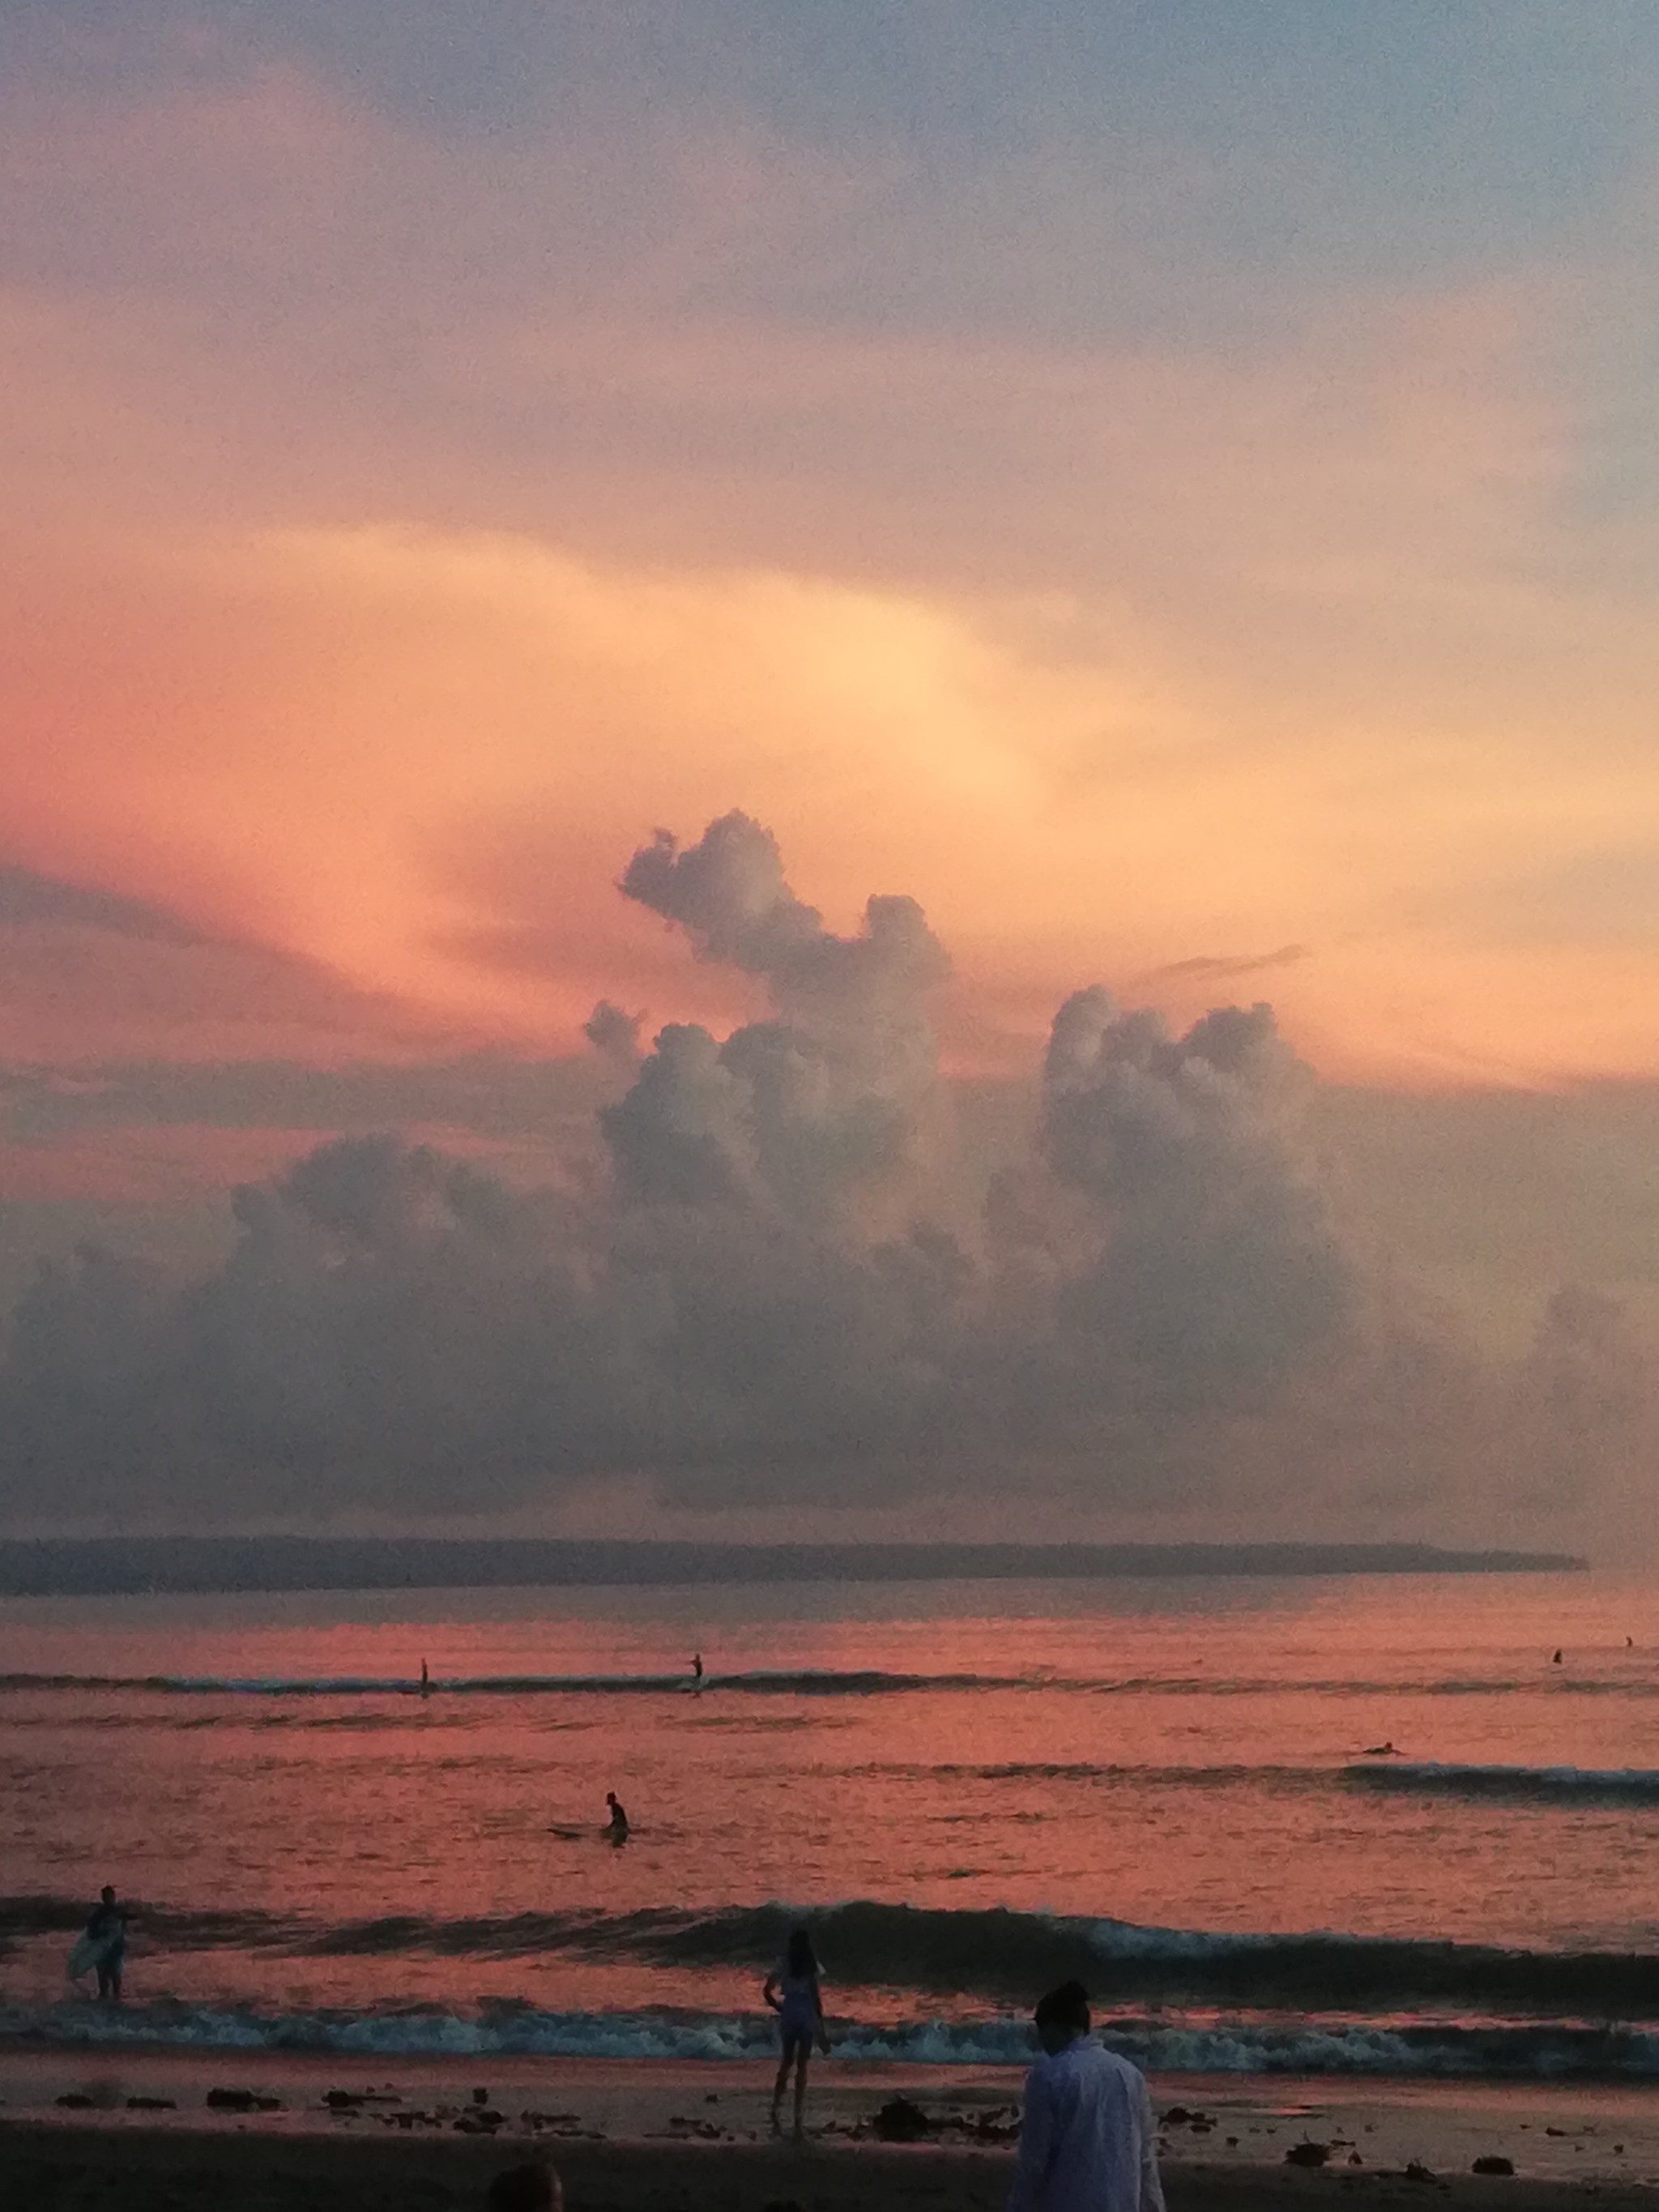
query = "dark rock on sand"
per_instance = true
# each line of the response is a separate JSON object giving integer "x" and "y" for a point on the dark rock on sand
{"x": 1493, "y": 2164}
{"x": 900, "y": 2121}
{"x": 1307, "y": 2154}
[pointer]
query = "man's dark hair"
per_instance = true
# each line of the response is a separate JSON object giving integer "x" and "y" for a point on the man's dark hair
{"x": 1066, "y": 2007}
{"x": 527, "y": 2189}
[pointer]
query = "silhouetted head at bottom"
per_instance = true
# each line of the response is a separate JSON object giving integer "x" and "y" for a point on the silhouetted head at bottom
{"x": 533, "y": 2188}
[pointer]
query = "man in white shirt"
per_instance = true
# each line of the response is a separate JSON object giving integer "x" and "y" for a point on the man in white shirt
{"x": 1088, "y": 2139}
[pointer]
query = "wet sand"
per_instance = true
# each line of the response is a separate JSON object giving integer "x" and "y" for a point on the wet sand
{"x": 46, "y": 2168}
{"x": 100, "y": 2129}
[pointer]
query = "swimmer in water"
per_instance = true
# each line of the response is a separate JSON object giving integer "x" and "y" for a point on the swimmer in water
{"x": 617, "y": 1827}
{"x": 1380, "y": 1751}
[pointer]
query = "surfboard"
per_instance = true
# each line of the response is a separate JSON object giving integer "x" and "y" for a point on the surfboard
{"x": 88, "y": 1955}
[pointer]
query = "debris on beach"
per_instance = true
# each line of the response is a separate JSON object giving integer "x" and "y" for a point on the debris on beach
{"x": 680, "y": 2126}
{"x": 1000, "y": 2124}
{"x": 241, "y": 2100}
{"x": 1306, "y": 2153}
{"x": 1492, "y": 2163}
{"x": 899, "y": 2120}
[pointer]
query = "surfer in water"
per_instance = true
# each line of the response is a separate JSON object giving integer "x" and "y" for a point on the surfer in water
{"x": 791, "y": 1990}
{"x": 426, "y": 1681}
{"x": 107, "y": 1929}
{"x": 616, "y": 1826}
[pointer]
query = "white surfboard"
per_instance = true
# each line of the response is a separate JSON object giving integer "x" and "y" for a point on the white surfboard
{"x": 87, "y": 1956}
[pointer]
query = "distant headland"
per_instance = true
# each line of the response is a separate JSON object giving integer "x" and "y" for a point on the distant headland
{"x": 121, "y": 1566}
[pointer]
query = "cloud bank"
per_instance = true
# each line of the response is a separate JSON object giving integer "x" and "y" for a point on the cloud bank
{"x": 782, "y": 1283}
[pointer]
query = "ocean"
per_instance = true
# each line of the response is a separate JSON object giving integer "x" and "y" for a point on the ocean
{"x": 967, "y": 1790}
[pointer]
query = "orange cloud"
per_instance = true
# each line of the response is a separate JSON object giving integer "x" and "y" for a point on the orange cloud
{"x": 421, "y": 757}
{"x": 375, "y": 583}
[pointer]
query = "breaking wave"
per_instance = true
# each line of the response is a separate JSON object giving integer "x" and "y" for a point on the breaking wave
{"x": 995, "y": 1954}
{"x": 1556, "y": 2051}
{"x": 1608, "y": 1785}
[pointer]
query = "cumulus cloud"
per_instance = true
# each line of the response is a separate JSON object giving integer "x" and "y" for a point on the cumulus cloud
{"x": 784, "y": 1283}
{"x": 813, "y": 1111}
{"x": 1220, "y": 1268}
{"x": 614, "y": 1035}
{"x": 860, "y": 999}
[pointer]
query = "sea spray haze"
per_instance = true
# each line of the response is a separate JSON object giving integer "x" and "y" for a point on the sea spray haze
{"x": 1167, "y": 1787}
{"x": 766, "y": 1272}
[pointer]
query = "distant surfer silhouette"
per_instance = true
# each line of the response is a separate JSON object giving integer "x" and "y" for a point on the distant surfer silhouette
{"x": 696, "y": 1666}
{"x": 426, "y": 1681}
{"x": 1556, "y": 1660}
{"x": 616, "y": 1826}
{"x": 1380, "y": 1751}
{"x": 107, "y": 1940}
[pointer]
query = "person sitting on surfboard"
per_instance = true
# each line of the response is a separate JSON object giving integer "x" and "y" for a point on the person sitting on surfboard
{"x": 108, "y": 1931}
{"x": 618, "y": 1827}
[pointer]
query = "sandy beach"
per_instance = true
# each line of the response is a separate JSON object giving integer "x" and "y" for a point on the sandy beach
{"x": 138, "y": 2132}
{"x": 50, "y": 2168}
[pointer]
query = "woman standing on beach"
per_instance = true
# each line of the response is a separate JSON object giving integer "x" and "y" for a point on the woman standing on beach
{"x": 791, "y": 1990}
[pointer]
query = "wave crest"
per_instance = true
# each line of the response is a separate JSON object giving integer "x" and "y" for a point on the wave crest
{"x": 1612, "y": 1785}
{"x": 1554, "y": 2052}
{"x": 997, "y": 1953}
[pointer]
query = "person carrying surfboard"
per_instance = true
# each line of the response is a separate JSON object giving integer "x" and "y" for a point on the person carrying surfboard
{"x": 106, "y": 1940}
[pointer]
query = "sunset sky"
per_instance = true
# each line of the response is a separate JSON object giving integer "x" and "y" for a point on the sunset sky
{"x": 1170, "y": 489}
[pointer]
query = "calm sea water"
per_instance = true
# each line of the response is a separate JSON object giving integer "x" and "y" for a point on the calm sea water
{"x": 967, "y": 1789}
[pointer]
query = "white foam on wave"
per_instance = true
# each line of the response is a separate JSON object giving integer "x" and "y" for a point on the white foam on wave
{"x": 1311, "y": 2047}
